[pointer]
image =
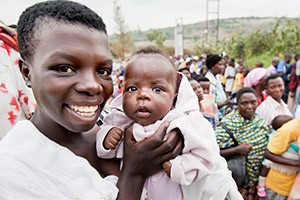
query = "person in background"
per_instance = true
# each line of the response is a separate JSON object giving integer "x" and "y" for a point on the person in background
{"x": 240, "y": 63}
{"x": 273, "y": 105}
{"x": 284, "y": 70}
{"x": 276, "y": 123}
{"x": 238, "y": 80}
{"x": 16, "y": 99}
{"x": 207, "y": 105}
{"x": 245, "y": 71}
{"x": 293, "y": 84}
{"x": 194, "y": 68}
{"x": 251, "y": 133}
{"x": 280, "y": 178}
{"x": 229, "y": 75}
{"x": 297, "y": 92}
{"x": 273, "y": 67}
{"x": 256, "y": 79}
{"x": 186, "y": 72}
{"x": 65, "y": 58}
{"x": 259, "y": 64}
{"x": 215, "y": 65}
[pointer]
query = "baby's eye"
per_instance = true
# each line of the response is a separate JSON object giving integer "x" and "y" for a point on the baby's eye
{"x": 157, "y": 89}
{"x": 104, "y": 72}
{"x": 65, "y": 69}
{"x": 132, "y": 89}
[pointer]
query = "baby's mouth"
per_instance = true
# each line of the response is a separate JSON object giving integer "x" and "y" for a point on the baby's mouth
{"x": 84, "y": 111}
{"x": 143, "y": 111}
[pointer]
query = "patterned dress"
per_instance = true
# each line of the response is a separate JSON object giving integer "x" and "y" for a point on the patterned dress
{"x": 16, "y": 98}
{"x": 253, "y": 132}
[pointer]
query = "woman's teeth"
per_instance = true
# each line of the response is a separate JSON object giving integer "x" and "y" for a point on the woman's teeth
{"x": 85, "y": 111}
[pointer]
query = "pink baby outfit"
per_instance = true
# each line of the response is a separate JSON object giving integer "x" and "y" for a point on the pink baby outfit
{"x": 199, "y": 156}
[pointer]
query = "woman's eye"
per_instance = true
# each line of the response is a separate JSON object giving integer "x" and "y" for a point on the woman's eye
{"x": 157, "y": 89}
{"x": 104, "y": 72}
{"x": 132, "y": 89}
{"x": 65, "y": 69}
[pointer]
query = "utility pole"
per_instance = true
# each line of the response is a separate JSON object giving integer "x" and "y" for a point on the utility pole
{"x": 178, "y": 32}
{"x": 212, "y": 13}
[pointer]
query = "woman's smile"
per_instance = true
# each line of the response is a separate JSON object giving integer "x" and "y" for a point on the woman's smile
{"x": 84, "y": 111}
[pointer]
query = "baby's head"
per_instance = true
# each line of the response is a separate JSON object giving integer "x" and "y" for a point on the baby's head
{"x": 150, "y": 86}
{"x": 279, "y": 120}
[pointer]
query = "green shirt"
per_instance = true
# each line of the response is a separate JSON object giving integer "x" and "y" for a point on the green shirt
{"x": 253, "y": 132}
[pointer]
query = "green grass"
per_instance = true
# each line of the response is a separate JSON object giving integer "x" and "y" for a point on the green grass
{"x": 266, "y": 58}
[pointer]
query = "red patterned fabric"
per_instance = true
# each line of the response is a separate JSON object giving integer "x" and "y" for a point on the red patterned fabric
{"x": 16, "y": 99}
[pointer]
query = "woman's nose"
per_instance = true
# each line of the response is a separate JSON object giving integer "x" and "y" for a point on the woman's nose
{"x": 89, "y": 84}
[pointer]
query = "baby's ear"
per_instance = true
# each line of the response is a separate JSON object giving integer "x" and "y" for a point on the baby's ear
{"x": 25, "y": 72}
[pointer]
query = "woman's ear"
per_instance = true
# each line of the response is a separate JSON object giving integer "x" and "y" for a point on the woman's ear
{"x": 25, "y": 72}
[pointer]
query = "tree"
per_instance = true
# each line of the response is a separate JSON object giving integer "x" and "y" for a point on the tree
{"x": 124, "y": 43}
{"x": 157, "y": 36}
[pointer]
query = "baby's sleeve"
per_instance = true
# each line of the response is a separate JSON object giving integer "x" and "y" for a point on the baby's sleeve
{"x": 200, "y": 152}
{"x": 101, "y": 151}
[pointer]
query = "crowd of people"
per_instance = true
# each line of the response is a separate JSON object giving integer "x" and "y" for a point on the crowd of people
{"x": 262, "y": 95}
{"x": 80, "y": 126}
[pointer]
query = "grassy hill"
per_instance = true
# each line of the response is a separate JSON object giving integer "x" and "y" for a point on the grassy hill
{"x": 195, "y": 32}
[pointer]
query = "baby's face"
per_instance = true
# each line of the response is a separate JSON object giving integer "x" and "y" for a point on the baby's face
{"x": 149, "y": 92}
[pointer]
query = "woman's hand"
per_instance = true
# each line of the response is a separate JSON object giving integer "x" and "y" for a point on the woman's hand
{"x": 244, "y": 149}
{"x": 148, "y": 155}
{"x": 145, "y": 158}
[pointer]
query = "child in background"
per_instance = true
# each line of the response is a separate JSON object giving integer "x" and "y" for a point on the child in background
{"x": 199, "y": 92}
{"x": 154, "y": 92}
{"x": 208, "y": 103}
{"x": 239, "y": 80}
{"x": 229, "y": 74}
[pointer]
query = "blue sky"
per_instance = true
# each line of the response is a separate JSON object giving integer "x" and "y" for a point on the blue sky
{"x": 146, "y": 14}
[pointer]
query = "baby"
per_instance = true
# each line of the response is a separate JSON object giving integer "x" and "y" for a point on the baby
{"x": 153, "y": 93}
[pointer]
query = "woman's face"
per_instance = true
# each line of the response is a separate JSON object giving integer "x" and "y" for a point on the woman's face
{"x": 275, "y": 88}
{"x": 219, "y": 67}
{"x": 70, "y": 77}
{"x": 247, "y": 105}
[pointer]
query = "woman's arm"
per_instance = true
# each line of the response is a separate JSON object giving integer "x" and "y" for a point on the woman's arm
{"x": 242, "y": 149}
{"x": 145, "y": 158}
{"x": 280, "y": 159}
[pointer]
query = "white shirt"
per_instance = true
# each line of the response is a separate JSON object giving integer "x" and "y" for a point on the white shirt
{"x": 229, "y": 71}
{"x": 270, "y": 108}
{"x": 216, "y": 89}
{"x": 34, "y": 167}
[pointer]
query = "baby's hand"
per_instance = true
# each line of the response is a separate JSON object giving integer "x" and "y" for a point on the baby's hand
{"x": 167, "y": 168}
{"x": 112, "y": 138}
